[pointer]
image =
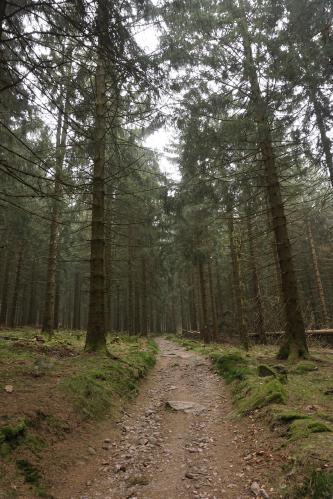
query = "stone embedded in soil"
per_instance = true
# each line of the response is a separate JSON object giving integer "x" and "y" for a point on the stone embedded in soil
{"x": 120, "y": 467}
{"x": 9, "y": 388}
{"x": 185, "y": 406}
{"x": 91, "y": 451}
{"x": 106, "y": 446}
{"x": 258, "y": 491}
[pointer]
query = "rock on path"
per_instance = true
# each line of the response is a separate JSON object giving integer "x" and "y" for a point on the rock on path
{"x": 179, "y": 439}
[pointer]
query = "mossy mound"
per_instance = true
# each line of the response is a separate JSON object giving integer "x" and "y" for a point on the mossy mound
{"x": 11, "y": 435}
{"x": 305, "y": 366}
{"x": 232, "y": 366}
{"x": 288, "y": 415}
{"x": 302, "y": 428}
{"x": 261, "y": 393}
{"x": 265, "y": 370}
{"x": 95, "y": 390}
{"x": 318, "y": 484}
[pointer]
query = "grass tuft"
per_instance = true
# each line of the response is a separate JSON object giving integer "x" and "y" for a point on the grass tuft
{"x": 305, "y": 366}
{"x": 318, "y": 484}
{"x": 302, "y": 428}
{"x": 232, "y": 366}
{"x": 257, "y": 394}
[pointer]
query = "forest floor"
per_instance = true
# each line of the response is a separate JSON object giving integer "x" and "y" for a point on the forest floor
{"x": 56, "y": 400}
{"x": 187, "y": 435}
{"x": 199, "y": 450}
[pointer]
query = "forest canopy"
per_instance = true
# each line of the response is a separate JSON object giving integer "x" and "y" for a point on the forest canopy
{"x": 95, "y": 236}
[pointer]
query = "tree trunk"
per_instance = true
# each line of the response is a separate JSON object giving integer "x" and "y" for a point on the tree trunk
{"x": 144, "y": 300}
{"x": 294, "y": 345}
{"x": 96, "y": 332}
{"x": 255, "y": 281}
{"x": 62, "y": 128}
{"x": 212, "y": 300}
{"x": 5, "y": 289}
{"x": 32, "y": 312}
{"x": 319, "y": 284}
{"x": 130, "y": 289}
{"x": 12, "y": 314}
{"x": 238, "y": 295}
{"x": 325, "y": 141}
{"x": 77, "y": 302}
{"x": 57, "y": 301}
{"x": 205, "y": 326}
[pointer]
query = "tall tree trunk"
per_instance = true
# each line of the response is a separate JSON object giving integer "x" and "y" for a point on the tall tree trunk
{"x": 12, "y": 314}
{"x": 137, "y": 310}
{"x": 130, "y": 289}
{"x": 205, "y": 326}
{"x": 325, "y": 140}
{"x": 319, "y": 284}
{"x": 144, "y": 297}
{"x": 255, "y": 281}
{"x": 96, "y": 332}
{"x": 52, "y": 263}
{"x": 32, "y": 311}
{"x": 212, "y": 300}
{"x": 192, "y": 303}
{"x": 117, "y": 324}
{"x": 5, "y": 289}
{"x": 77, "y": 302}
{"x": 108, "y": 275}
{"x": 294, "y": 344}
{"x": 238, "y": 295}
{"x": 57, "y": 301}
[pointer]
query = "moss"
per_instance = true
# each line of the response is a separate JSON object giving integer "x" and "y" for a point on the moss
{"x": 30, "y": 472}
{"x": 11, "y": 436}
{"x": 265, "y": 370}
{"x": 259, "y": 394}
{"x": 94, "y": 391}
{"x": 288, "y": 415}
{"x": 137, "y": 480}
{"x": 304, "y": 366}
{"x": 318, "y": 484}
{"x": 232, "y": 366}
{"x": 302, "y": 428}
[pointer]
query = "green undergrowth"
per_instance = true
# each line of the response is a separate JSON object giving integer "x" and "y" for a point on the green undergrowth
{"x": 84, "y": 386}
{"x": 102, "y": 380}
{"x": 308, "y": 480}
{"x": 296, "y": 400}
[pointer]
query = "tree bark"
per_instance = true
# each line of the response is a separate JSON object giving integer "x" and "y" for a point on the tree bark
{"x": 96, "y": 332}
{"x": 5, "y": 289}
{"x": 57, "y": 300}
{"x": 130, "y": 289}
{"x": 13, "y": 309}
{"x": 205, "y": 326}
{"x": 212, "y": 300}
{"x": 144, "y": 300}
{"x": 77, "y": 302}
{"x": 62, "y": 128}
{"x": 32, "y": 311}
{"x": 238, "y": 295}
{"x": 255, "y": 281}
{"x": 325, "y": 141}
{"x": 319, "y": 284}
{"x": 294, "y": 344}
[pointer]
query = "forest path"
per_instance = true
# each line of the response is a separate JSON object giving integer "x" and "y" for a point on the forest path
{"x": 162, "y": 453}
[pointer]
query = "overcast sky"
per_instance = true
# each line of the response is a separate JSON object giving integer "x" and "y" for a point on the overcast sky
{"x": 159, "y": 141}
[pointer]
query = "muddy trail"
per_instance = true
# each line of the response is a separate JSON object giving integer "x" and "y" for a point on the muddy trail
{"x": 195, "y": 448}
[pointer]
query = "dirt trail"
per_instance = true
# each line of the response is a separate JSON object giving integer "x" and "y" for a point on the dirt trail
{"x": 168, "y": 454}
